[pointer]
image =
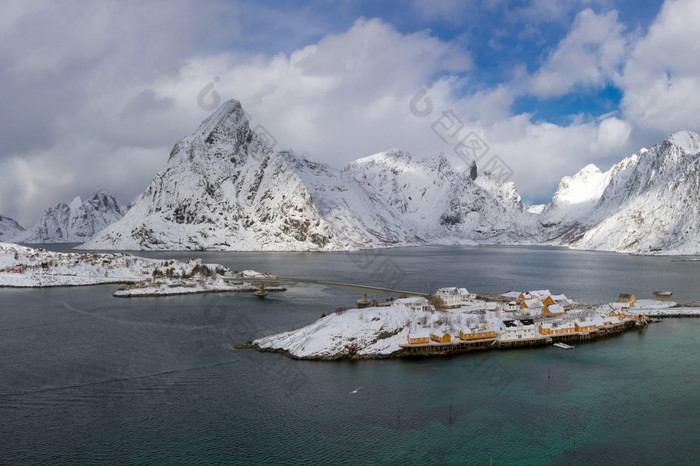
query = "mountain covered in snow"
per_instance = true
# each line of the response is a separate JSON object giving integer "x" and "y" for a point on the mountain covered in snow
{"x": 9, "y": 229}
{"x": 645, "y": 204}
{"x": 224, "y": 188}
{"x": 75, "y": 222}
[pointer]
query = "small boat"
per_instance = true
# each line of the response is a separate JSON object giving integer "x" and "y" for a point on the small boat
{"x": 563, "y": 346}
{"x": 364, "y": 302}
{"x": 260, "y": 293}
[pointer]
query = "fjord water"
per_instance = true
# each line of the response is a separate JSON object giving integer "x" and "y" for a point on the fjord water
{"x": 87, "y": 378}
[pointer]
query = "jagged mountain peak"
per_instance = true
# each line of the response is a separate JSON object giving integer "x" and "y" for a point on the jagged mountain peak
{"x": 75, "y": 222}
{"x": 226, "y": 131}
{"x": 689, "y": 141}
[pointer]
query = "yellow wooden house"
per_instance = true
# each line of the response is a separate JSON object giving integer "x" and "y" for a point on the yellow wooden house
{"x": 417, "y": 339}
{"x": 441, "y": 337}
{"x": 586, "y": 326}
{"x": 627, "y": 298}
{"x": 477, "y": 334}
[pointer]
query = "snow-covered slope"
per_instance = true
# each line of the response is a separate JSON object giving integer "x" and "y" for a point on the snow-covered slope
{"x": 9, "y": 229}
{"x": 224, "y": 188}
{"x": 650, "y": 205}
{"x": 646, "y": 203}
{"x": 75, "y": 222}
{"x": 437, "y": 203}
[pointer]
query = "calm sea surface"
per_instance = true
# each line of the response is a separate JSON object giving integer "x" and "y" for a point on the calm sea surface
{"x": 87, "y": 378}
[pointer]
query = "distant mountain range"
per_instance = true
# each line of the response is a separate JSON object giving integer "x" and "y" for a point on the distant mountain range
{"x": 75, "y": 222}
{"x": 645, "y": 204}
{"x": 224, "y": 188}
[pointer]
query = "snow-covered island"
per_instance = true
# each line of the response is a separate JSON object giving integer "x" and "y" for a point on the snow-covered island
{"x": 25, "y": 267}
{"x": 453, "y": 321}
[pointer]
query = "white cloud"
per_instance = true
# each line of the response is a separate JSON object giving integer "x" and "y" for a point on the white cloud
{"x": 106, "y": 114}
{"x": 662, "y": 77}
{"x": 589, "y": 56}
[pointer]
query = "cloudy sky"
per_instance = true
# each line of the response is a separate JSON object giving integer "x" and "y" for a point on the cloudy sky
{"x": 95, "y": 94}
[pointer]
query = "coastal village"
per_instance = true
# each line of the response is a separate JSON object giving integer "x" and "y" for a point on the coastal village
{"x": 453, "y": 320}
{"x": 536, "y": 317}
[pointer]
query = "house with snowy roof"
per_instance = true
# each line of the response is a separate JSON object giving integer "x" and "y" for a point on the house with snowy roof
{"x": 553, "y": 309}
{"x": 440, "y": 336}
{"x": 563, "y": 301}
{"x": 477, "y": 333}
{"x": 418, "y": 338}
{"x": 523, "y": 329}
{"x": 532, "y": 306}
{"x": 585, "y": 325}
{"x": 467, "y": 297}
{"x": 450, "y": 296}
{"x": 416, "y": 303}
{"x": 557, "y": 328}
{"x": 511, "y": 306}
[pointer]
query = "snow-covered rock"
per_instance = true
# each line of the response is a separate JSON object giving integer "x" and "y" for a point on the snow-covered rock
{"x": 369, "y": 332}
{"x": 650, "y": 205}
{"x": 224, "y": 188}
{"x": 75, "y": 222}
{"x": 645, "y": 204}
{"x": 9, "y": 229}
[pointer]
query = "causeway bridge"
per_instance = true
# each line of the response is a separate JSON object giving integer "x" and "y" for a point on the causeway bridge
{"x": 263, "y": 282}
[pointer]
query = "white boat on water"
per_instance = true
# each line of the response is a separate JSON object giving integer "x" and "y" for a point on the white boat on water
{"x": 563, "y": 346}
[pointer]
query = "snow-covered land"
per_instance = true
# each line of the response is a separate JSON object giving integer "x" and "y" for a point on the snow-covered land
{"x": 75, "y": 222}
{"x": 369, "y": 332}
{"x": 22, "y": 266}
{"x": 378, "y": 332}
{"x": 645, "y": 204}
{"x": 9, "y": 228}
{"x": 224, "y": 188}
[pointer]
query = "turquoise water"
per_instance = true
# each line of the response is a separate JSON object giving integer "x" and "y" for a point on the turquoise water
{"x": 86, "y": 378}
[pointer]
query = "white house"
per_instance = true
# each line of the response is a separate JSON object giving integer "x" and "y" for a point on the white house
{"x": 467, "y": 297}
{"x": 511, "y": 306}
{"x": 450, "y": 296}
{"x": 518, "y": 329}
{"x": 532, "y": 306}
{"x": 416, "y": 303}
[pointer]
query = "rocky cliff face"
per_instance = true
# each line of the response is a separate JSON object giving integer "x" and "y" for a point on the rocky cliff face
{"x": 9, "y": 229}
{"x": 224, "y": 188}
{"x": 646, "y": 204}
{"x": 75, "y": 222}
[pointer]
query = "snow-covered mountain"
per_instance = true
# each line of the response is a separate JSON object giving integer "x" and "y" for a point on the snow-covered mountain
{"x": 646, "y": 204}
{"x": 9, "y": 229}
{"x": 224, "y": 188}
{"x": 75, "y": 222}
